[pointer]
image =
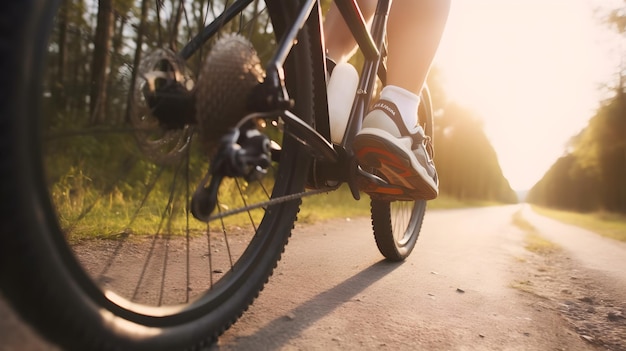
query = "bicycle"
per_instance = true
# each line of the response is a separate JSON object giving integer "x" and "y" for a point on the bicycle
{"x": 98, "y": 185}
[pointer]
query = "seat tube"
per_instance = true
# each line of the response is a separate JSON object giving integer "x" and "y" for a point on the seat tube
{"x": 368, "y": 74}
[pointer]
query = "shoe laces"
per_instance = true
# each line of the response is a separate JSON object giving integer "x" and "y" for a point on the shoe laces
{"x": 420, "y": 137}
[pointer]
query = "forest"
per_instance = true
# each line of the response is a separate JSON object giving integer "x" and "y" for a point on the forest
{"x": 466, "y": 161}
{"x": 103, "y": 150}
{"x": 591, "y": 175}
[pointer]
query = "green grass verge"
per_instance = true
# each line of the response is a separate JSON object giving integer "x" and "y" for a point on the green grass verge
{"x": 610, "y": 225}
{"x": 340, "y": 204}
{"x": 92, "y": 216}
{"x": 533, "y": 241}
{"x": 447, "y": 202}
{"x": 335, "y": 204}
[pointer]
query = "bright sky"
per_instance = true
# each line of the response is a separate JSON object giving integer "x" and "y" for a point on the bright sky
{"x": 531, "y": 69}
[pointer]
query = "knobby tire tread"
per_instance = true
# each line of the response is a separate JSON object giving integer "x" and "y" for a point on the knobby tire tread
{"x": 381, "y": 216}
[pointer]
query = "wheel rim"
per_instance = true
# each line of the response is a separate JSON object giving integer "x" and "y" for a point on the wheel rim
{"x": 405, "y": 217}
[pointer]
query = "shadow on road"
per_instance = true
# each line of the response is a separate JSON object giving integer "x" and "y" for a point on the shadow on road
{"x": 285, "y": 328}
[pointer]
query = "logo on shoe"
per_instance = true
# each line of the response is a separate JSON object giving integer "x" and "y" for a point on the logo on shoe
{"x": 385, "y": 107}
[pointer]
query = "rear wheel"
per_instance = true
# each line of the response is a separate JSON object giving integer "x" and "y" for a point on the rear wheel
{"x": 99, "y": 249}
{"x": 397, "y": 224}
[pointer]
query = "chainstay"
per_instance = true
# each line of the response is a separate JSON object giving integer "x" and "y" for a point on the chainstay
{"x": 271, "y": 202}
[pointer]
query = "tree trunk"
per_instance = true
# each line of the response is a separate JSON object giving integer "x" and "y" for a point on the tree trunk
{"x": 175, "y": 25}
{"x": 101, "y": 61}
{"x": 137, "y": 59}
{"x": 58, "y": 89}
{"x": 117, "y": 60}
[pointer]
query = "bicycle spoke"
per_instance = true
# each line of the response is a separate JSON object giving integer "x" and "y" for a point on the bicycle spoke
{"x": 209, "y": 253}
{"x": 145, "y": 267}
{"x": 126, "y": 167}
{"x": 122, "y": 240}
{"x": 122, "y": 176}
{"x": 187, "y": 229}
{"x": 230, "y": 255}
{"x": 245, "y": 203}
{"x": 149, "y": 190}
{"x": 164, "y": 270}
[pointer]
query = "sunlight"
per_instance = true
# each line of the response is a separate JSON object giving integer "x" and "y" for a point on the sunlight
{"x": 531, "y": 69}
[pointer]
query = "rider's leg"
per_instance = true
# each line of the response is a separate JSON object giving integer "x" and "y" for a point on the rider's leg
{"x": 414, "y": 31}
{"x": 390, "y": 140}
{"x": 340, "y": 44}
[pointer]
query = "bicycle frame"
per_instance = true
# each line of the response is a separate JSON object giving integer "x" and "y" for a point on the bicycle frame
{"x": 372, "y": 45}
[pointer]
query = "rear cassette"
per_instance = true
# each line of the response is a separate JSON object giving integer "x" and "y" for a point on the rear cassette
{"x": 230, "y": 72}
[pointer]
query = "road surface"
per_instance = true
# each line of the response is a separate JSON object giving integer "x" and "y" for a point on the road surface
{"x": 470, "y": 284}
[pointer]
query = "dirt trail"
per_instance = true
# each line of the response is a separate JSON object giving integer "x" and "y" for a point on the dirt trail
{"x": 458, "y": 291}
{"x": 584, "y": 279}
{"x": 469, "y": 285}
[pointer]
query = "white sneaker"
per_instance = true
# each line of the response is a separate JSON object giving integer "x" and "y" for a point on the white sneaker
{"x": 400, "y": 155}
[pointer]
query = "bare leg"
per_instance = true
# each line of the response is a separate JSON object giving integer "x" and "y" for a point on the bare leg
{"x": 340, "y": 45}
{"x": 414, "y": 31}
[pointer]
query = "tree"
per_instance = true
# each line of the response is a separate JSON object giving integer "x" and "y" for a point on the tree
{"x": 591, "y": 177}
{"x": 466, "y": 161}
{"x": 101, "y": 61}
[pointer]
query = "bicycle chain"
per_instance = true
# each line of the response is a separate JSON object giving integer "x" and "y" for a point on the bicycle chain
{"x": 271, "y": 202}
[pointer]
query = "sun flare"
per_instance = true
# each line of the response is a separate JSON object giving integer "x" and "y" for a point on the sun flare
{"x": 531, "y": 69}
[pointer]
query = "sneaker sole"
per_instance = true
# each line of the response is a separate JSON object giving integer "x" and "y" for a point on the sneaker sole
{"x": 393, "y": 163}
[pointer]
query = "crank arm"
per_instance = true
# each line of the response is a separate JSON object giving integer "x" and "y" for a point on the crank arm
{"x": 319, "y": 147}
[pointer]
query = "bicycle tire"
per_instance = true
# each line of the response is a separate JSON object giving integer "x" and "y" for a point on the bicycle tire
{"x": 397, "y": 224}
{"x": 42, "y": 271}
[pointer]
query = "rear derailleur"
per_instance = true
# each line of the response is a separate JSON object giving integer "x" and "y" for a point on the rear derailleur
{"x": 242, "y": 152}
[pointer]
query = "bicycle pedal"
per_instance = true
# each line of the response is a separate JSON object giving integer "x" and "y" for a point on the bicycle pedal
{"x": 386, "y": 192}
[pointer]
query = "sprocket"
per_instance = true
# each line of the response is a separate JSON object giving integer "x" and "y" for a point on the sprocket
{"x": 229, "y": 73}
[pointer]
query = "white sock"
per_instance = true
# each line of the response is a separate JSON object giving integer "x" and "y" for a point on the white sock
{"x": 406, "y": 101}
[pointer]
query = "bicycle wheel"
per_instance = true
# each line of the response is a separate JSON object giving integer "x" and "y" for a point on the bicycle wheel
{"x": 98, "y": 249}
{"x": 397, "y": 224}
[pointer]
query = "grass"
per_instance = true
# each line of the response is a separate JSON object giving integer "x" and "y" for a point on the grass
{"x": 447, "y": 202}
{"x": 534, "y": 242}
{"x": 610, "y": 225}
{"x": 341, "y": 204}
{"x": 88, "y": 214}
{"x": 537, "y": 244}
{"x": 523, "y": 285}
{"x": 336, "y": 204}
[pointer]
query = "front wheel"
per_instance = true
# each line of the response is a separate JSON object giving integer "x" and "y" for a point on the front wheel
{"x": 397, "y": 224}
